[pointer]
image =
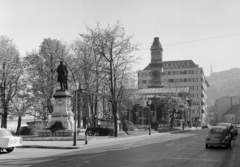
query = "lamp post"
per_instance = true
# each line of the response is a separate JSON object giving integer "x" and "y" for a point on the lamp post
{"x": 136, "y": 117}
{"x": 150, "y": 106}
{"x": 75, "y": 116}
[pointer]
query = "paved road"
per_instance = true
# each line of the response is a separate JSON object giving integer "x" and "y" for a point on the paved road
{"x": 169, "y": 150}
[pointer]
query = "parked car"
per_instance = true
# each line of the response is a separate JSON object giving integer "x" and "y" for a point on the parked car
{"x": 8, "y": 141}
{"x": 204, "y": 126}
{"x": 236, "y": 130}
{"x": 218, "y": 136}
{"x": 230, "y": 127}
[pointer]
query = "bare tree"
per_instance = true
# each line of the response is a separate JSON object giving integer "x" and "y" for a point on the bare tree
{"x": 115, "y": 48}
{"x": 10, "y": 72}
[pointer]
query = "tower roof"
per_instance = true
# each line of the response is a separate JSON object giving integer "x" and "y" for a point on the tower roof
{"x": 156, "y": 44}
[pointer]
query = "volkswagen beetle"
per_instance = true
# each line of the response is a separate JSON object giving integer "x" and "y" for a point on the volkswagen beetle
{"x": 8, "y": 141}
{"x": 218, "y": 136}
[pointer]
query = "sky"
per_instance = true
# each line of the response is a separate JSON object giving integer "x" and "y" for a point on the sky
{"x": 205, "y": 31}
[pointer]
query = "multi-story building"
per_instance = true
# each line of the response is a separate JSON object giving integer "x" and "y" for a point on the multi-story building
{"x": 180, "y": 73}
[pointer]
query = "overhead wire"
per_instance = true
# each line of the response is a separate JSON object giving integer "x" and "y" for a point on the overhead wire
{"x": 203, "y": 39}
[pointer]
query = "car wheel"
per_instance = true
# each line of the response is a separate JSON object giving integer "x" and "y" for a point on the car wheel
{"x": 207, "y": 146}
{"x": 10, "y": 149}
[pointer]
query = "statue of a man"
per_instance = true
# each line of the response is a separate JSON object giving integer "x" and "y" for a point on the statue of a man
{"x": 62, "y": 76}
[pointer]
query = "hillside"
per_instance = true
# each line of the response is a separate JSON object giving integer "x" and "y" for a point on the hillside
{"x": 223, "y": 83}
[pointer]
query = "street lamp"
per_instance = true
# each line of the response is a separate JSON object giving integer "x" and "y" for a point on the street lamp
{"x": 149, "y": 104}
{"x": 75, "y": 116}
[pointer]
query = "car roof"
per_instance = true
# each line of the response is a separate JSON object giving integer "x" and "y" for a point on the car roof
{"x": 219, "y": 127}
{"x": 226, "y": 123}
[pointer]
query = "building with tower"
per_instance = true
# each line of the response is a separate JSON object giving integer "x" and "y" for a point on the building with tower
{"x": 156, "y": 65}
{"x": 177, "y": 73}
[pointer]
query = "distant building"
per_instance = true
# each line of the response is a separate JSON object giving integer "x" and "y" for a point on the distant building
{"x": 232, "y": 115}
{"x": 222, "y": 106}
{"x": 180, "y": 73}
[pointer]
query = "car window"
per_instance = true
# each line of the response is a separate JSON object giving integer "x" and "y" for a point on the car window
{"x": 5, "y": 133}
{"x": 217, "y": 131}
{"x": 226, "y": 125}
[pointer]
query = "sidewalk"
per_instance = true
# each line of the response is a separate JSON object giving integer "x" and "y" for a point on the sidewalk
{"x": 92, "y": 142}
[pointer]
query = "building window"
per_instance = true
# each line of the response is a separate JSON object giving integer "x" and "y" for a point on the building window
{"x": 175, "y": 72}
{"x": 191, "y": 87}
{"x": 144, "y": 81}
{"x": 171, "y": 80}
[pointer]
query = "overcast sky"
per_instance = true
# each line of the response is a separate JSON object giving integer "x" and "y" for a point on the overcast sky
{"x": 205, "y": 31}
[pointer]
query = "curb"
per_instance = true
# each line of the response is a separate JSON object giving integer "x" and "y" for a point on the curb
{"x": 95, "y": 145}
{"x": 47, "y": 147}
{"x": 180, "y": 131}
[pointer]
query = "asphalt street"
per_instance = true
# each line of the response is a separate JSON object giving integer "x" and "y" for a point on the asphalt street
{"x": 169, "y": 150}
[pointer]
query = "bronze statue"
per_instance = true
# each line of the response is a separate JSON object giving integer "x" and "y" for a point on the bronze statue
{"x": 62, "y": 76}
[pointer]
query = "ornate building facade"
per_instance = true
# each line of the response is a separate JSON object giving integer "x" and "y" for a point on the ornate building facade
{"x": 180, "y": 73}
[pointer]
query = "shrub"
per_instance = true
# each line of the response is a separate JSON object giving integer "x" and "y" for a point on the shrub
{"x": 99, "y": 131}
{"x": 25, "y": 130}
{"x": 154, "y": 125}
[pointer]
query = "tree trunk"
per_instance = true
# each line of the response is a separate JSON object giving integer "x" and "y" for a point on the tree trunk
{"x": 4, "y": 119}
{"x": 114, "y": 109}
{"x": 19, "y": 125}
{"x": 96, "y": 105}
{"x": 92, "y": 109}
{"x": 79, "y": 108}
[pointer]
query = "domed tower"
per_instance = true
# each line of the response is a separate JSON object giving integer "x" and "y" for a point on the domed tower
{"x": 156, "y": 64}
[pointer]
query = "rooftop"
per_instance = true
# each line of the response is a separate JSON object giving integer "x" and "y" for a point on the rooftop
{"x": 233, "y": 110}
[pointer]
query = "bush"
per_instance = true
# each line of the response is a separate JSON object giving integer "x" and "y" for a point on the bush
{"x": 27, "y": 131}
{"x": 154, "y": 125}
{"x": 99, "y": 131}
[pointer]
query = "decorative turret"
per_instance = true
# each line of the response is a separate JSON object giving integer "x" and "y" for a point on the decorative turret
{"x": 156, "y": 51}
{"x": 156, "y": 64}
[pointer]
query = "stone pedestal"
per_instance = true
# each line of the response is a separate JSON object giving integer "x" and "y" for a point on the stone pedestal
{"x": 62, "y": 110}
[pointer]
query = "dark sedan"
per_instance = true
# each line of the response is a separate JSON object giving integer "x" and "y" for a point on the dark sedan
{"x": 218, "y": 136}
{"x": 231, "y": 129}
